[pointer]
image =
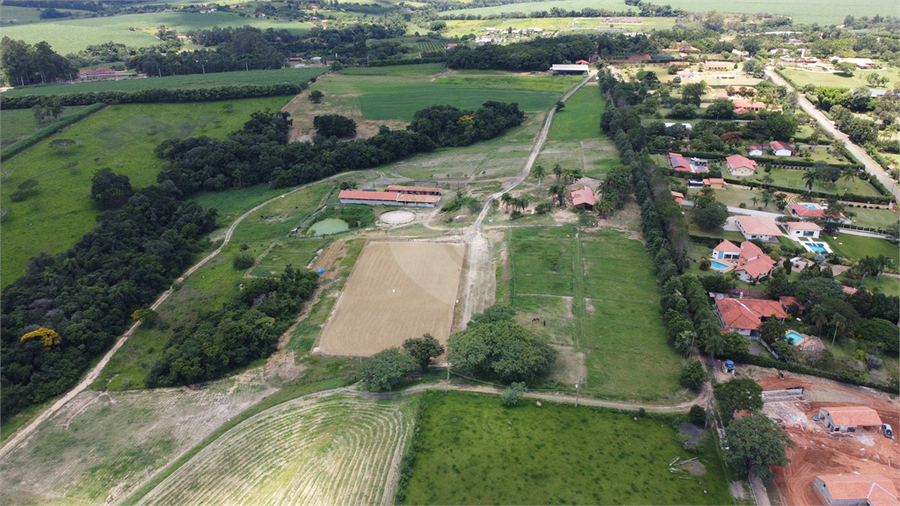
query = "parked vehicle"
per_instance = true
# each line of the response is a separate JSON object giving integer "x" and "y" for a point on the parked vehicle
{"x": 888, "y": 431}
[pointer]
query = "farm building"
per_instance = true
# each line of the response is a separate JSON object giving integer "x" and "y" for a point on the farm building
{"x": 97, "y": 73}
{"x": 583, "y": 199}
{"x": 857, "y": 489}
{"x": 718, "y": 65}
{"x": 716, "y": 183}
{"x": 740, "y": 166}
{"x": 569, "y": 70}
{"x": 758, "y": 227}
{"x": 744, "y": 315}
{"x": 849, "y": 418}
{"x": 782, "y": 148}
{"x": 415, "y": 190}
{"x": 387, "y": 198}
{"x": 802, "y": 229}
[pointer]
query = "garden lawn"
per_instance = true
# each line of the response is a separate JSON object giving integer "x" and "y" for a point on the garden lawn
{"x": 856, "y": 247}
{"x": 625, "y": 343}
{"x": 193, "y": 81}
{"x": 475, "y": 451}
{"x": 857, "y": 80}
{"x": 794, "y": 179}
{"x": 874, "y": 218}
{"x": 121, "y": 137}
{"x": 580, "y": 118}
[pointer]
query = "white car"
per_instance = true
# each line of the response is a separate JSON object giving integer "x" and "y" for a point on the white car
{"x": 888, "y": 431}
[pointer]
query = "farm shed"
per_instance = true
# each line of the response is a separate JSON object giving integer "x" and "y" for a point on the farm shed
{"x": 718, "y": 65}
{"x": 569, "y": 70}
{"x": 857, "y": 489}
{"x": 387, "y": 198}
{"x": 849, "y": 418}
{"x": 414, "y": 190}
{"x": 583, "y": 199}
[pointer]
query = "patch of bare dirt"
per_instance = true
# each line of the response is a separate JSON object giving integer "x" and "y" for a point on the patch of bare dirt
{"x": 589, "y": 306}
{"x": 570, "y": 367}
{"x": 563, "y": 216}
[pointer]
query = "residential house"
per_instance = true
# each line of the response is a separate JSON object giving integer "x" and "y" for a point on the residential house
{"x": 849, "y": 418}
{"x": 740, "y": 166}
{"x": 583, "y": 199}
{"x": 679, "y": 198}
{"x": 802, "y": 229}
{"x": 718, "y": 65}
{"x": 741, "y": 110}
{"x": 685, "y": 74}
{"x": 747, "y": 260}
{"x": 748, "y": 104}
{"x": 786, "y": 301}
{"x": 756, "y": 150}
{"x": 815, "y": 211}
{"x": 857, "y": 490}
{"x": 727, "y": 250}
{"x": 716, "y": 183}
{"x": 758, "y": 227}
{"x": 745, "y": 315}
{"x": 681, "y": 164}
{"x": 782, "y": 148}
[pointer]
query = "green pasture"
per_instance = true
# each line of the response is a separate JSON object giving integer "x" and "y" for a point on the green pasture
{"x": 295, "y": 251}
{"x": 857, "y": 80}
{"x": 19, "y": 123}
{"x": 580, "y": 118}
{"x": 192, "y": 81}
{"x": 542, "y": 261}
{"x": 121, "y": 137}
{"x": 398, "y": 98}
{"x": 824, "y": 12}
{"x": 24, "y": 15}
{"x": 856, "y": 247}
{"x": 595, "y": 157}
{"x": 626, "y": 346}
{"x": 794, "y": 179}
{"x": 423, "y": 69}
{"x": 874, "y": 218}
{"x": 475, "y": 451}
{"x": 72, "y": 35}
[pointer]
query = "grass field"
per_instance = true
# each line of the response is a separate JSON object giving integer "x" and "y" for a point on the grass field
{"x": 794, "y": 179}
{"x": 24, "y": 15}
{"x": 856, "y": 247}
{"x": 321, "y": 449}
{"x": 605, "y": 322}
{"x": 192, "y": 81}
{"x": 424, "y": 69}
{"x": 875, "y": 218}
{"x": 803, "y": 11}
{"x": 566, "y": 25}
{"x": 474, "y": 451}
{"x": 580, "y": 118}
{"x": 121, "y": 137}
{"x": 857, "y": 80}
{"x": 71, "y": 36}
{"x": 19, "y": 123}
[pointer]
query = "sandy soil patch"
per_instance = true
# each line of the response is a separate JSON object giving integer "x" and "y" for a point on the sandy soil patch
{"x": 397, "y": 217}
{"x": 303, "y": 112}
{"x": 396, "y": 290}
{"x": 570, "y": 367}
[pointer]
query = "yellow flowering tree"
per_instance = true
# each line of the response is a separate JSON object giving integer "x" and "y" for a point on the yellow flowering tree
{"x": 48, "y": 336}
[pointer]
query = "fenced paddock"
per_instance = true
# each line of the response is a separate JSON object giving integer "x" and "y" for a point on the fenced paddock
{"x": 397, "y": 290}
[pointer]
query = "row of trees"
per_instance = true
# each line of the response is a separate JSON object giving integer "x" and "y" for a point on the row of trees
{"x": 25, "y": 64}
{"x": 535, "y": 55}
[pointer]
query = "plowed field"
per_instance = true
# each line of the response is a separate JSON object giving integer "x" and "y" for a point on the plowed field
{"x": 397, "y": 290}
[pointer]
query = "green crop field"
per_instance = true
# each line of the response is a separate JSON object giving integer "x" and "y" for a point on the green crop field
{"x": 858, "y": 79}
{"x": 422, "y": 69}
{"x": 564, "y": 25}
{"x": 192, "y": 81}
{"x": 71, "y": 36}
{"x": 580, "y": 118}
{"x": 121, "y": 137}
{"x": 23, "y": 15}
{"x": 319, "y": 449}
{"x": 475, "y": 451}
{"x": 19, "y": 123}
{"x": 606, "y": 280}
{"x": 398, "y": 98}
{"x": 802, "y": 11}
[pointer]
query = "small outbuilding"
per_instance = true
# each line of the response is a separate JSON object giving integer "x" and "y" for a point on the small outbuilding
{"x": 569, "y": 70}
{"x": 857, "y": 489}
{"x": 802, "y": 229}
{"x": 846, "y": 419}
{"x": 583, "y": 199}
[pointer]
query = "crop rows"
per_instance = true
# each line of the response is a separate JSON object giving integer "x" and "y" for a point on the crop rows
{"x": 322, "y": 449}
{"x": 430, "y": 46}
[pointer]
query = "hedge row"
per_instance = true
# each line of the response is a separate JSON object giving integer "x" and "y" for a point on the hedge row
{"x": 227, "y": 92}
{"x": 800, "y": 369}
{"x": 47, "y": 131}
{"x": 849, "y": 197}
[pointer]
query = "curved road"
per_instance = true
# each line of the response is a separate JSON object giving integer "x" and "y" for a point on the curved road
{"x": 23, "y": 432}
{"x": 871, "y": 165}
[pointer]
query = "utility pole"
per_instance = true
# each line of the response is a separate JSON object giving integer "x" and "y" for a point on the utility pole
{"x": 447, "y": 386}
{"x": 577, "y": 390}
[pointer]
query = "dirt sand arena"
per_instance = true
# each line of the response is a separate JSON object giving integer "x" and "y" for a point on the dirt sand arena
{"x": 397, "y": 217}
{"x": 397, "y": 290}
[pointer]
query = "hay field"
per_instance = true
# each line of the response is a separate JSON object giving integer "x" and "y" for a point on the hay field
{"x": 397, "y": 290}
{"x": 320, "y": 449}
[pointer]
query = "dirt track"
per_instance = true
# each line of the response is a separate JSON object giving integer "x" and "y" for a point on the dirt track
{"x": 815, "y": 452}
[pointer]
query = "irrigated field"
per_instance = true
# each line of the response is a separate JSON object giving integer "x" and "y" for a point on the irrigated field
{"x": 397, "y": 290}
{"x": 181, "y": 82}
{"x": 321, "y": 449}
{"x": 475, "y": 451}
{"x": 71, "y": 36}
{"x": 121, "y": 137}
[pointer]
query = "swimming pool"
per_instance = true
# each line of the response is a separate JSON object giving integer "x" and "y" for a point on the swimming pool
{"x": 719, "y": 266}
{"x": 794, "y": 337}
{"x": 810, "y": 206}
{"x": 817, "y": 247}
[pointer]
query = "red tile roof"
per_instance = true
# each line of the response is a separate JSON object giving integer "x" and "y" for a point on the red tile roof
{"x": 741, "y": 110}
{"x": 853, "y": 415}
{"x": 386, "y": 196}
{"x": 804, "y": 212}
{"x": 747, "y": 313}
{"x": 405, "y": 189}
{"x": 679, "y": 197}
{"x": 880, "y": 491}
{"x": 759, "y": 225}
{"x": 757, "y": 267}
{"x": 748, "y": 104}
{"x": 718, "y": 65}
{"x": 583, "y": 196}
{"x": 102, "y": 71}
{"x": 728, "y": 247}
{"x": 736, "y": 161}
{"x": 802, "y": 225}
{"x": 776, "y": 145}
{"x": 786, "y": 301}
{"x": 714, "y": 180}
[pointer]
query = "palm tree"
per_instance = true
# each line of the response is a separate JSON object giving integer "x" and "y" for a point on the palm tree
{"x": 715, "y": 344}
{"x": 558, "y": 171}
{"x": 604, "y": 208}
{"x": 507, "y": 199}
{"x": 809, "y": 179}
{"x": 539, "y": 173}
{"x": 755, "y": 200}
{"x": 767, "y": 196}
{"x": 838, "y": 320}
{"x": 849, "y": 176}
{"x": 882, "y": 262}
{"x": 866, "y": 266}
{"x": 819, "y": 317}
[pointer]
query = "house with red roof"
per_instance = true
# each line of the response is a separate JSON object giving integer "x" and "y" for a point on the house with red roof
{"x": 758, "y": 227}
{"x": 740, "y": 166}
{"x": 809, "y": 211}
{"x": 583, "y": 199}
{"x": 782, "y": 148}
{"x": 786, "y": 301}
{"x": 857, "y": 489}
{"x": 756, "y": 150}
{"x": 97, "y": 73}
{"x": 727, "y": 250}
{"x": 718, "y": 65}
{"x": 802, "y": 229}
{"x": 749, "y": 105}
{"x": 741, "y": 110}
{"x": 679, "y": 198}
{"x": 849, "y": 418}
{"x": 682, "y": 164}
{"x": 747, "y": 260}
{"x": 745, "y": 315}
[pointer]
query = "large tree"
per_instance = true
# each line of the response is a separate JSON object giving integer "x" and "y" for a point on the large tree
{"x": 109, "y": 190}
{"x": 386, "y": 368}
{"x": 736, "y": 395}
{"x": 755, "y": 444}
{"x": 423, "y": 349}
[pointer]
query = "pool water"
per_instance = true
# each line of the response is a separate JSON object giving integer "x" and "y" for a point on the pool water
{"x": 818, "y": 247}
{"x": 793, "y": 337}
{"x": 811, "y": 206}
{"x": 719, "y": 265}
{"x": 329, "y": 226}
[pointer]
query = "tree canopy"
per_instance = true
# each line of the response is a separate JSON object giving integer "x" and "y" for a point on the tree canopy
{"x": 385, "y": 369}
{"x": 755, "y": 444}
{"x": 736, "y": 395}
{"x": 423, "y": 349}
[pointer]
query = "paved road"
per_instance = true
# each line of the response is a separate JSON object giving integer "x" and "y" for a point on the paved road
{"x": 872, "y": 167}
